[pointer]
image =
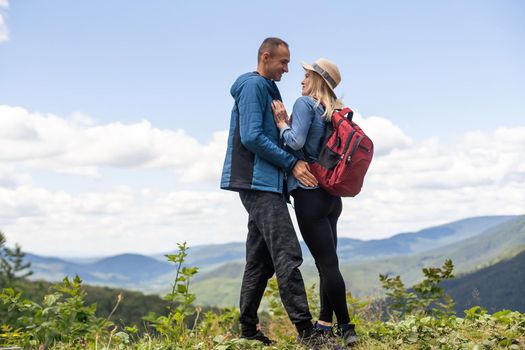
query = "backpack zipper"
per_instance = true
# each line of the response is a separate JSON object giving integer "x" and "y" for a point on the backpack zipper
{"x": 354, "y": 147}
{"x": 347, "y": 144}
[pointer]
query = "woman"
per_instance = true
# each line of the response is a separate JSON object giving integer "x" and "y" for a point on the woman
{"x": 317, "y": 211}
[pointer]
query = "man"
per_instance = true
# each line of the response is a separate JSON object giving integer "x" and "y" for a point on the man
{"x": 256, "y": 167}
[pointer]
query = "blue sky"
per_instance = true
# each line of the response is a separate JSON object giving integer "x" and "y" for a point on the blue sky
{"x": 139, "y": 81}
{"x": 415, "y": 62}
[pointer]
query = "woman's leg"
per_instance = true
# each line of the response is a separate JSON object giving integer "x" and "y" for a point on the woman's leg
{"x": 327, "y": 310}
{"x": 317, "y": 213}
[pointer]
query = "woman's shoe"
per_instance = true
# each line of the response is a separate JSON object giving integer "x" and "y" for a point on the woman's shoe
{"x": 325, "y": 331}
{"x": 348, "y": 334}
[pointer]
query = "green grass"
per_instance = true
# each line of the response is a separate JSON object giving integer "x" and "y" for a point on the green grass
{"x": 416, "y": 318}
{"x": 484, "y": 332}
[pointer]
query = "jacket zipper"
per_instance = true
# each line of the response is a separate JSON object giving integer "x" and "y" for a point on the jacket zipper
{"x": 280, "y": 142}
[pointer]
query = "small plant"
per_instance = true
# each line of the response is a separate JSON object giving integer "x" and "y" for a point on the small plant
{"x": 12, "y": 265}
{"x": 225, "y": 322}
{"x": 358, "y": 310}
{"x": 61, "y": 317}
{"x": 427, "y": 297}
{"x": 173, "y": 326}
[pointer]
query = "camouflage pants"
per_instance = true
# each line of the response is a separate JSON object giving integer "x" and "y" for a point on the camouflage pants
{"x": 271, "y": 246}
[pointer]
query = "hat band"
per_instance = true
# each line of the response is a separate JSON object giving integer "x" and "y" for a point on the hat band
{"x": 325, "y": 75}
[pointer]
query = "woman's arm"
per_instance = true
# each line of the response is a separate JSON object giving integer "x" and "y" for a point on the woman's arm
{"x": 294, "y": 135}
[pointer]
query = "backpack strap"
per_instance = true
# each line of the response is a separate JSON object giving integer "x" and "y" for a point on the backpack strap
{"x": 345, "y": 111}
{"x": 348, "y": 112}
{"x": 341, "y": 115}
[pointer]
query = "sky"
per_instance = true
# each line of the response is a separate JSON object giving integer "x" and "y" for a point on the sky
{"x": 114, "y": 114}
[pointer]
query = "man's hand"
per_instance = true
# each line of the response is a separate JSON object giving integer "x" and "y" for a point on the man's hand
{"x": 301, "y": 171}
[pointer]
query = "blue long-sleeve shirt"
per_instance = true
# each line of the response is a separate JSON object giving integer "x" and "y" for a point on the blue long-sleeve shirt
{"x": 304, "y": 136}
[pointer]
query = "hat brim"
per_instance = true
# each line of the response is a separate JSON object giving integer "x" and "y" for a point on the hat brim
{"x": 307, "y": 66}
{"x": 310, "y": 67}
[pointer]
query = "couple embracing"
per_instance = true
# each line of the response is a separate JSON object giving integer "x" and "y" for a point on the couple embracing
{"x": 268, "y": 155}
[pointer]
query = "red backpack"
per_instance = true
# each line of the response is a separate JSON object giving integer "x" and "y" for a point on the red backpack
{"x": 345, "y": 156}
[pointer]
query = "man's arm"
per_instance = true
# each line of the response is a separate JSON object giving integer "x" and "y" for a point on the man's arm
{"x": 251, "y": 101}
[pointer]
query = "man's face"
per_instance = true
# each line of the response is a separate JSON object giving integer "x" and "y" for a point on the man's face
{"x": 277, "y": 64}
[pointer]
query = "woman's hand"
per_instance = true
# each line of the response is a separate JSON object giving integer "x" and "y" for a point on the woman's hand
{"x": 279, "y": 114}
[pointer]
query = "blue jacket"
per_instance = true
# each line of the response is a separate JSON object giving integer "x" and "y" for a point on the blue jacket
{"x": 254, "y": 159}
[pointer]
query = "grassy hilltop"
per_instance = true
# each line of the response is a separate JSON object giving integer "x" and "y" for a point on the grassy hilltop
{"x": 420, "y": 317}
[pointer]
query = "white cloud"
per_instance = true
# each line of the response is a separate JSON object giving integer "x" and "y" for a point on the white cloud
{"x": 432, "y": 182}
{"x": 120, "y": 220}
{"x": 10, "y": 178}
{"x": 385, "y": 135}
{"x": 77, "y": 145}
{"x": 81, "y": 119}
{"x": 4, "y": 31}
{"x": 411, "y": 185}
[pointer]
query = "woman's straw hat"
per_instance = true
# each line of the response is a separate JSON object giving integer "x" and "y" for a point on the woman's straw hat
{"x": 327, "y": 70}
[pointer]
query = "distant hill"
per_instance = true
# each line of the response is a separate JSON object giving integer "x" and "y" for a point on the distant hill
{"x": 211, "y": 254}
{"x": 125, "y": 270}
{"x": 471, "y": 254}
{"x": 420, "y": 241}
{"x": 130, "y": 267}
{"x": 471, "y": 243}
{"x": 487, "y": 248}
{"x": 350, "y": 249}
{"x": 497, "y": 287}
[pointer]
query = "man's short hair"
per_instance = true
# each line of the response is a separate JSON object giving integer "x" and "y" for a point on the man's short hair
{"x": 270, "y": 45}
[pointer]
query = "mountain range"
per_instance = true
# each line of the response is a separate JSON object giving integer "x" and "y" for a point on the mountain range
{"x": 472, "y": 244}
{"x": 497, "y": 287}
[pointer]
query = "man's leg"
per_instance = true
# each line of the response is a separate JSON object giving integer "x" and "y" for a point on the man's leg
{"x": 271, "y": 216}
{"x": 258, "y": 269}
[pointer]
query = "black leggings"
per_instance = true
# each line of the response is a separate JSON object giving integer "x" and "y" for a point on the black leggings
{"x": 317, "y": 213}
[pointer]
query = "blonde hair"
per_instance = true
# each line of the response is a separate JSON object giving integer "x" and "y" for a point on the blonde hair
{"x": 322, "y": 93}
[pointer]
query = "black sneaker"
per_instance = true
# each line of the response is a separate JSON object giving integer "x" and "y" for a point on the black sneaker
{"x": 325, "y": 331}
{"x": 348, "y": 334}
{"x": 259, "y": 336}
{"x": 314, "y": 340}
